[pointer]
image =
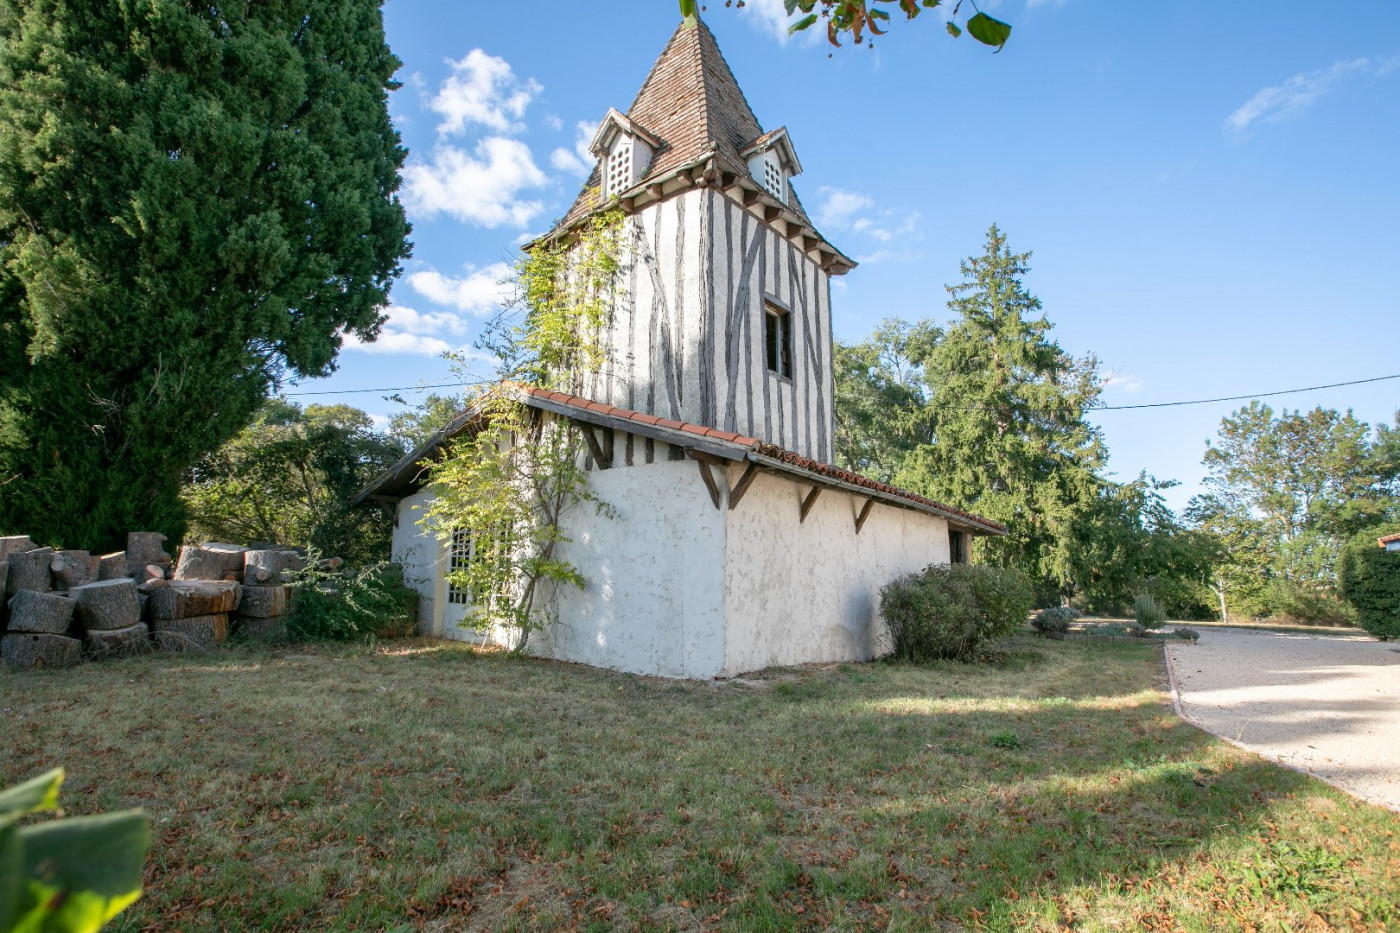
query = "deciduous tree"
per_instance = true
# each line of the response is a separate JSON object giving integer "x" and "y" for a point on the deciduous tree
{"x": 289, "y": 477}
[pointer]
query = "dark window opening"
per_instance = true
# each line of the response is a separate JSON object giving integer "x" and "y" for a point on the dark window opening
{"x": 777, "y": 329}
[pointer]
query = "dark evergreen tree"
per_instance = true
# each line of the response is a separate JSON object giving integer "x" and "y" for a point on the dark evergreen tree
{"x": 196, "y": 201}
{"x": 1009, "y": 437}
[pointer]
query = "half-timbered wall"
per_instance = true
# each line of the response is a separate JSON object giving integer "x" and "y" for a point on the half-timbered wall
{"x": 686, "y": 336}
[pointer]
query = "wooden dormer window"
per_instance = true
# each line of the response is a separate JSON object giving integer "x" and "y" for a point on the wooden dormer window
{"x": 777, "y": 332}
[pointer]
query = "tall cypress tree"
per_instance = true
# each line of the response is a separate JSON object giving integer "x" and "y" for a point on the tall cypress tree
{"x": 1007, "y": 406}
{"x": 196, "y": 201}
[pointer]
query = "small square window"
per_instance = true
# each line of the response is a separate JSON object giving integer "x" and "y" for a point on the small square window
{"x": 777, "y": 332}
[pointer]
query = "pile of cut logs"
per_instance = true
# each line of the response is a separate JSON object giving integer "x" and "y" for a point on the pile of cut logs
{"x": 134, "y": 599}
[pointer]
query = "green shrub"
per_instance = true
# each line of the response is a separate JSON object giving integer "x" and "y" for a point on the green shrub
{"x": 1148, "y": 611}
{"x": 1293, "y": 604}
{"x": 1370, "y": 582}
{"x": 1054, "y": 621}
{"x": 336, "y": 606}
{"x": 1121, "y": 629}
{"x": 946, "y": 611}
{"x": 1186, "y": 634}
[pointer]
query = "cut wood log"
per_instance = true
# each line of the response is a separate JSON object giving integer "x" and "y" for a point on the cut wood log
{"x": 265, "y": 602}
{"x": 40, "y": 613}
{"x": 29, "y": 570}
{"x": 146, "y": 547}
{"x": 266, "y": 630}
{"x": 110, "y": 604}
{"x": 15, "y": 544}
{"x": 73, "y": 568}
{"x": 151, "y": 585}
{"x": 183, "y": 599}
{"x": 269, "y": 568}
{"x": 199, "y": 633}
{"x": 119, "y": 641}
{"x": 209, "y": 561}
{"x": 24, "y": 650}
{"x": 330, "y": 563}
{"x": 141, "y": 570}
{"x": 112, "y": 566}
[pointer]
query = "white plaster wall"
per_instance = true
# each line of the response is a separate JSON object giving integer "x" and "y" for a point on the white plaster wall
{"x": 653, "y": 602}
{"x": 808, "y": 592}
{"x": 419, "y": 553}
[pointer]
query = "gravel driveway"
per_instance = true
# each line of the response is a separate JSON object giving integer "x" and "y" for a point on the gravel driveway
{"x": 1324, "y": 704}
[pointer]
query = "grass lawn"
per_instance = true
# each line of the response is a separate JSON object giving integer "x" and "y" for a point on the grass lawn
{"x": 424, "y": 786}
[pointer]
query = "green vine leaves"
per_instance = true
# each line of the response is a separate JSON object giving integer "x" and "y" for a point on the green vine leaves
{"x": 505, "y": 486}
{"x": 858, "y": 17}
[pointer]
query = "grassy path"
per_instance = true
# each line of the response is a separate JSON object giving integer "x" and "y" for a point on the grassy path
{"x": 427, "y": 787}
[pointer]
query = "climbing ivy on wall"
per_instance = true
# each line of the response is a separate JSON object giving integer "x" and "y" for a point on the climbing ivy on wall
{"x": 504, "y": 486}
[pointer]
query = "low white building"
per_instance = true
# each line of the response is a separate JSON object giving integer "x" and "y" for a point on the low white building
{"x": 734, "y": 545}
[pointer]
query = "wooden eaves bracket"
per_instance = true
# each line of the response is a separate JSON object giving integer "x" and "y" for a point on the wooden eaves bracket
{"x": 602, "y": 450}
{"x": 864, "y": 514}
{"x": 705, "y": 460}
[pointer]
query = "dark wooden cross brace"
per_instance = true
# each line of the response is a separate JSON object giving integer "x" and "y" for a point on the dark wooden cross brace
{"x": 705, "y": 461}
{"x": 864, "y": 514}
{"x": 809, "y": 501}
{"x": 600, "y": 443}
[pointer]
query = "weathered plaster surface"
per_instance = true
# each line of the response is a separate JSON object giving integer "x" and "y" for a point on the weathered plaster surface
{"x": 654, "y": 599}
{"x": 799, "y": 592}
{"x": 419, "y": 555}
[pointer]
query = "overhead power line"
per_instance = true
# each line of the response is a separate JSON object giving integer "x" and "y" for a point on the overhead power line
{"x": 1180, "y": 404}
{"x": 1243, "y": 398}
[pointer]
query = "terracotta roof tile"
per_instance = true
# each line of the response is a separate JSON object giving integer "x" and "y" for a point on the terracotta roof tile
{"x": 768, "y": 450}
{"x": 692, "y": 102}
{"x": 1388, "y": 539}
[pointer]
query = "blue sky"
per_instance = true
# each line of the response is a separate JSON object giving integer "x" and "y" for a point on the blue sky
{"x": 1211, "y": 190}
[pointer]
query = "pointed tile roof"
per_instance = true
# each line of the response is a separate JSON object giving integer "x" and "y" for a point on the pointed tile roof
{"x": 693, "y": 104}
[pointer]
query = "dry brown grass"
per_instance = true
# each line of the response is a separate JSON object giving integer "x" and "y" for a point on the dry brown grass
{"x": 425, "y": 786}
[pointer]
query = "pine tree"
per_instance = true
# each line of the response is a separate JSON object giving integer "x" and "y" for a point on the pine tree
{"x": 1007, "y": 406}
{"x": 196, "y": 201}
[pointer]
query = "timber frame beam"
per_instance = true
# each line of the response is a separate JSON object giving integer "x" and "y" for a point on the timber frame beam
{"x": 864, "y": 513}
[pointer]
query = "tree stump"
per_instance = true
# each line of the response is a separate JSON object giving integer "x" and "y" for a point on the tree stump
{"x": 146, "y": 547}
{"x": 73, "y": 568}
{"x": 265, "y": 630}
{"x": 265, "y": 602}
{"x": 119, "y": 641}
{"x": 15, "y": 544}
{"x": 40, "y": 613}
{"x": 29, "y": 570}
{"x": 210, "y": 561}
{"x": 198, "y": 633}
{"x": 112, "y": 566}
{"x": 110, "y": 604}
{"x": 31, "y": 651}
{"x": 269, "y": 568}
{"x": 183, "y": 599}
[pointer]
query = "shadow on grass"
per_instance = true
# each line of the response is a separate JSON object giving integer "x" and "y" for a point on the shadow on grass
{"x": 431, "y": 787}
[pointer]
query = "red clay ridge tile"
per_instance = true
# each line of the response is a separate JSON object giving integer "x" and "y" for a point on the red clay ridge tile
{"x": 644, "y": 418}
{"x": 668, "y": 423}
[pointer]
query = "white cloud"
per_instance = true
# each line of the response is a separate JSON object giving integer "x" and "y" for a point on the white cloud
{"x": 855, "y": 212}
{"x": 1294, "y": 96}
{"x": 483, "y": 89}
{"x": 409, "y": 331}
{"x": 1123, "y": 382}
{"x": 1032, "y": 4}
{"x": 838, "y": 207}
{"x": 483, "y": 189}
{"x": 889, "y": 255}
{"x": 770, "y": 16}
{"x": 479, "y": 292}
{"x": 577, "y": 161}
